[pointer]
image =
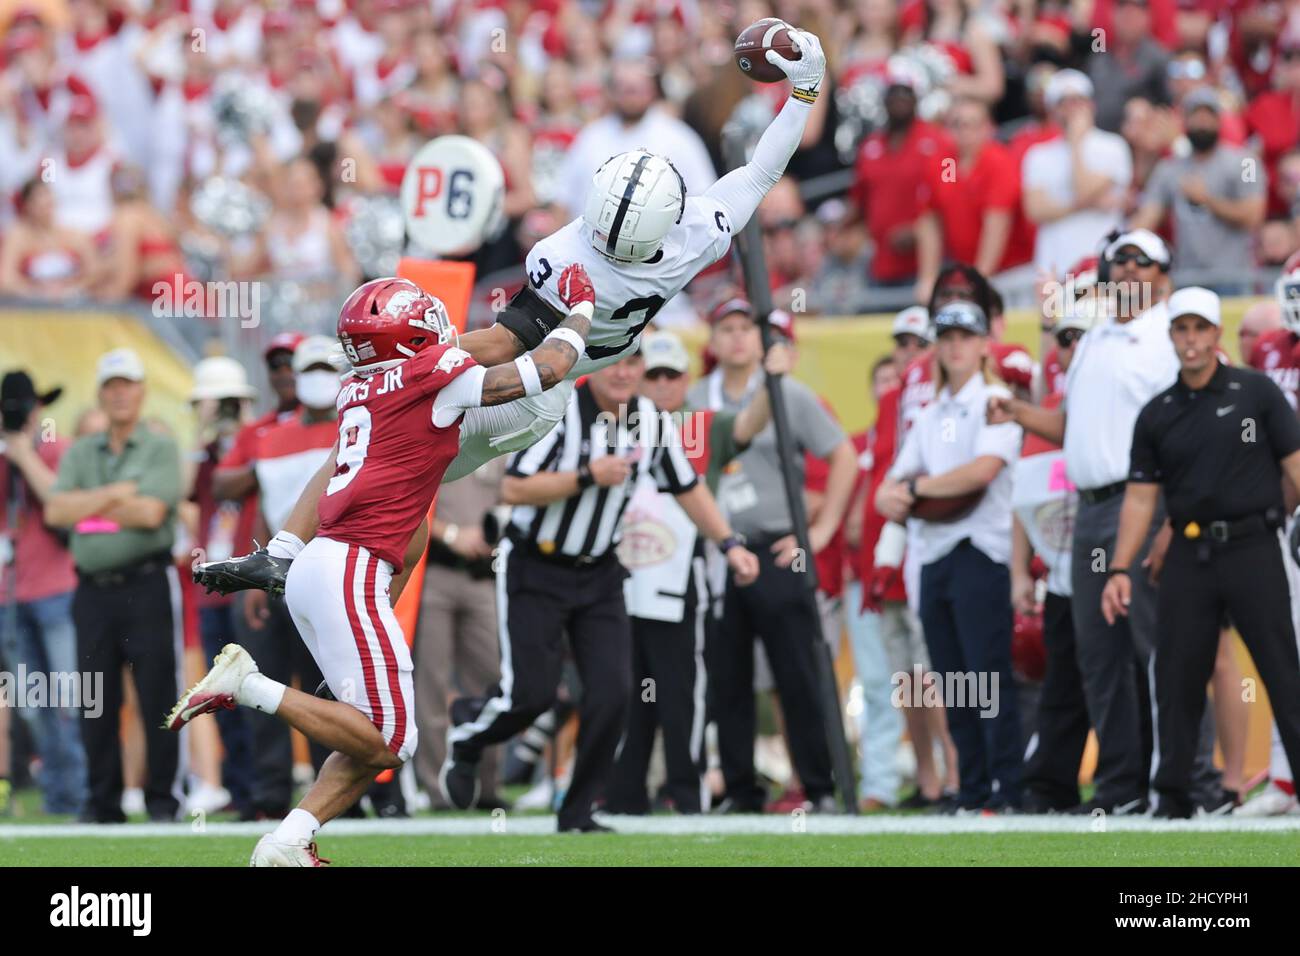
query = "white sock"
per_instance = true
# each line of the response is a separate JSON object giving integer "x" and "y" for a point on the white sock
{"x": 260, "y": 692}
{"x": 298, "y": 827}
{"x": 285, "y": 544}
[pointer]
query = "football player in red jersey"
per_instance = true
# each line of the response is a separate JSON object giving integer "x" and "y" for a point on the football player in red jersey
{"x": 400, "y": 417}
{"x": 1277, "y": 355}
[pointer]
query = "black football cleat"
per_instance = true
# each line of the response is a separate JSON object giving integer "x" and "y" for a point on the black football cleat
{"x": 458, "y": 780}
{"x": 586, "y": 826}
{"x": 259, "y": 571}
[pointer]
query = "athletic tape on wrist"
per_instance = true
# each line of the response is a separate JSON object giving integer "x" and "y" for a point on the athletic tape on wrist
{"x": 570, "y": 336}
{"x": 528, "y": 374}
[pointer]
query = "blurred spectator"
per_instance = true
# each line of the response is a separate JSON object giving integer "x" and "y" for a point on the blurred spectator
{"x": 1073, "y": 186}
{"x": 221, "y": 398}
{"x": 1152, "y": 133}
{"x": 144, "y": 245}
{"x": 957, "y": 30}
{"x": 82, "y": 170}
{"x": 1272, "y": 116}
{"x": 1187, "y": 74}
{"x": 972, "y": 202}
{"x": 456, "y": 649}
{"x": 434, "y": 92}
{"x": 485, "y": 115}
{"x": 1260, "y": 319}
{"x": 1211, "y": 196}
{"x": 41, "y": 259}
{"x": 840, "y": 286}
{"x": 1288, "y": 185}
{"x": 777, "y": 608}
{"x": 779, "y": 214}
{"x": 37, "y": 581}
{"x": 891, "y": 167}
{"x": 638, "y": 118}
{"x": 302, "y": 242}
{"x": 1130, "y": 63}
{"x": 117, "y": 492}
{"x": 1278, "y": 241}
{"x": 965, "y": 599}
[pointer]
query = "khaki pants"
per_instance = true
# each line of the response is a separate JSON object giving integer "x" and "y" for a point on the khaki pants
{"x": 456, "y": 652}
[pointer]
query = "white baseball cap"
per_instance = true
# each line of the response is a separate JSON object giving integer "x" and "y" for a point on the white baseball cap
{"x": 220, "y": 377}
{"x": 914, "y": 320}
{"x": 317, "y": 350}
{"x": 1195, "y": 300}
{"x": 664, "y": 350}
{"x": 1067, "y": 83}
{"x": 1146, "y": 240}
{"x": 119, "y": 363}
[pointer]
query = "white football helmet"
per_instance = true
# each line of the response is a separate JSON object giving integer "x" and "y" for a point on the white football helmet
{"x": 635, "y": 198}
{"x": 1288, "y": 293}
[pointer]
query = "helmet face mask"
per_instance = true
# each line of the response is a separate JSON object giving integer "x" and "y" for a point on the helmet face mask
{"x": 1287, "y": 291}
{"x": 635, "y": 199}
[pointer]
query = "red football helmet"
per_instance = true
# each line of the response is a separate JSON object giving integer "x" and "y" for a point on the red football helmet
{"x": 386, "y": 321}
{"x": 1288, "y": 293}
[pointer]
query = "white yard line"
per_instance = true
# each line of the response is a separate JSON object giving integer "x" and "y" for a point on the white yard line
{"x": 703, "y": 826}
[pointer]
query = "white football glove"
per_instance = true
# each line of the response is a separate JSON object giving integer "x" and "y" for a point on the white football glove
{"x": 806, "y": 72}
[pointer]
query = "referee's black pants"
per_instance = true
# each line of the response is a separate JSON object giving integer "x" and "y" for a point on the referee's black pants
{"x": 1056, "y": 749}
{"x": 538, "y": 602}
{"x": 132, "y": 620}
{"x": 780, "y": 609}
{"x": 1247, "y": 577}
{"x": 667, "y": 690}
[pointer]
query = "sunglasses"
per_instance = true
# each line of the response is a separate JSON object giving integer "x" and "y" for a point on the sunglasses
{"x": 655, "y": 374}
{"x": 1142, "y": 260}
{"x": 1067, "y": 337}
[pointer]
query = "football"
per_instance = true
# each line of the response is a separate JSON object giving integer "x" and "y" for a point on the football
{"x": 754, "y": 42}
{"x": 946, "y": 509}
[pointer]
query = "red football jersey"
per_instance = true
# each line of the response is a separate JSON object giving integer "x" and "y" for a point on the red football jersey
{"x": 391, "y": 456}
{"x": 1275, "y": 355}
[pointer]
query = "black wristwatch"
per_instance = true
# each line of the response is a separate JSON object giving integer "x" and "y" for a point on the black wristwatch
{"x": 585, "y": 478}
{"x": 1114, "y": 571}
{"x": 732, "y": 540}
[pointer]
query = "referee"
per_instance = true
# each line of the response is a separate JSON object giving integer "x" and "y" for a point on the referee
{"x": 558, "y": 573}
{"x": 1217, "y": 441}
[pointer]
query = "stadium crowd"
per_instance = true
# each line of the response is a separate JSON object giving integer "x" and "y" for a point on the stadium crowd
{"x": 1116, "y": 144}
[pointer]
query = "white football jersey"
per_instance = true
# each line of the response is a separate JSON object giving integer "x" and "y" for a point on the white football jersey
{"x": 628, "y": 294}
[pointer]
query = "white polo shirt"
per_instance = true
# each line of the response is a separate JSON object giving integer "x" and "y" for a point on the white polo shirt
{"x": 950, "y": 432}
{"x": 1117, "y": 368}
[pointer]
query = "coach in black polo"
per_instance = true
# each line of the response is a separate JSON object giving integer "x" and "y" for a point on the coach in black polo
{"x": 558, "y": 573}
{"x": 1217, "y": 442}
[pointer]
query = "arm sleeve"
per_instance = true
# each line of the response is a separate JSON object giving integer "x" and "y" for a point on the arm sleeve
{"x": 462, "y": 392}
{"x": 741, "y": 190}
{"x": 1143, "y": 462}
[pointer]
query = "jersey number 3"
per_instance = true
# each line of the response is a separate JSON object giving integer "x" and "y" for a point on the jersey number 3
{"x": 354, "y": 440}
{"x": 642, "y": 310}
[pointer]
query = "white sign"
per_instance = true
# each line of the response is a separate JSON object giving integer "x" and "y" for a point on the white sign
{"x": 453, "y": 196}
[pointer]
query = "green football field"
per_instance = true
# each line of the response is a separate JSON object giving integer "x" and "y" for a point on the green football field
{"x": 673, "y": 841}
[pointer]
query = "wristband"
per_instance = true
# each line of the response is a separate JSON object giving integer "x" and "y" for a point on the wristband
{"x": 732, "y": 540}
{"x": 571, "y": 337}
{"x": 805, "y": 96}
{"x": 528, "y": 375}
{"x": 585, "y": 478}
{"x": 586, "y": 309}
{"x": 449, "y": 534}
{"x": 1114, "y": 571}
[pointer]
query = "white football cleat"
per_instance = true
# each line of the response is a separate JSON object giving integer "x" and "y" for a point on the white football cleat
{"x": 270, "y": 852}
{"x": 1272, "y": 801}
{"x": 217, "y": 688}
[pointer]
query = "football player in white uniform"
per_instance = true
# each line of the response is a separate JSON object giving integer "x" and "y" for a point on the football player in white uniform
{"x": 641, "y": 239}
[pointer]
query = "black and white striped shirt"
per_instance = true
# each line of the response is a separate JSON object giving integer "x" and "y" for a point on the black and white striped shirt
{"x": 587, "y": 525}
